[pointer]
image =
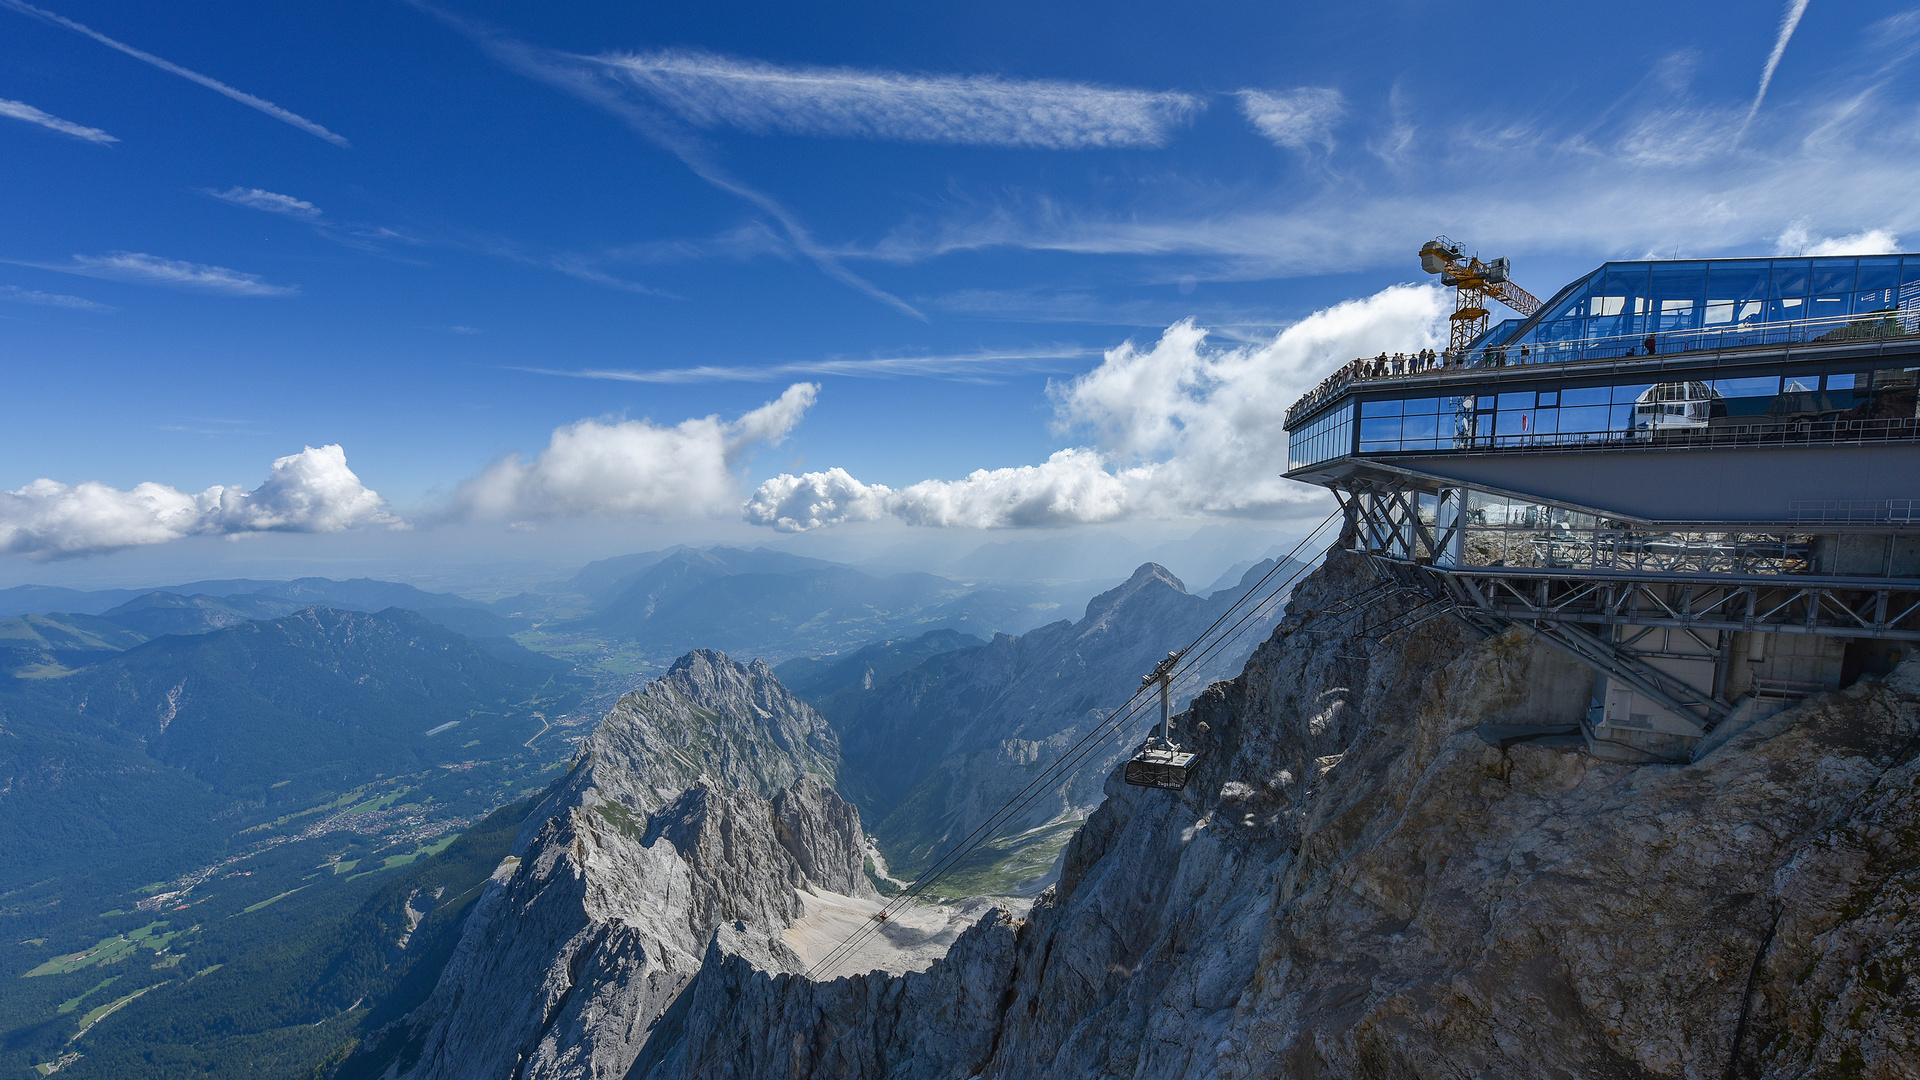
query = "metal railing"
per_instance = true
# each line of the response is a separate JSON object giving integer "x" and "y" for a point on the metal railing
{"x": 1902, "y": 324}
{"x": 1699, "y": 553}
{"x": 1779, "y": 433}
{"x": 1849, "y": 511}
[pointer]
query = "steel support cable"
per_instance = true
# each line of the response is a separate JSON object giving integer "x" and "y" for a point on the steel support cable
{"x": 1063, "y": 765}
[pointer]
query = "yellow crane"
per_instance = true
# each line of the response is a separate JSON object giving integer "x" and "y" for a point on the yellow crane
{"x": 1473, "y": 281}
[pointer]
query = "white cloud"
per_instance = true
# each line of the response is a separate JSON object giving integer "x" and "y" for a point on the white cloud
{"x": 146, "y": 269}
{"x": 1180, "y": 429}
{"x": 629, "y": 467}
{"x": 1296, "y": 119}
{"x": 980, "y": 110}
{"x": 1662, "y": 168}
{"x": 213, "y": 84}
{"x": 271, "y": 202}
{"x": 1798, "y": 240}
{"x": 808, "y": 501}
{"x": 1071, "y": 487}
{"x": 18, "y": 295}
{"x": 20, "y": 110}
{"x": 964, "y": 366}
{"x": 589, "y": 80}
{"x": 312, "y": 491}
{"x": 1788, "y": 21}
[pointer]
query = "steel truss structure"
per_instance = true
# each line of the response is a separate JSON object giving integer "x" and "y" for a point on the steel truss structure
{"x": 1607, "y": 610}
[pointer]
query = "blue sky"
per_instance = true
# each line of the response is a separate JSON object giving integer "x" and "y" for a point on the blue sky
{"x": 432, "y": 236}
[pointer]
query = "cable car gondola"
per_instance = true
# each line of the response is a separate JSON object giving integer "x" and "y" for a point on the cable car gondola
{"x": 1161, "y": 763}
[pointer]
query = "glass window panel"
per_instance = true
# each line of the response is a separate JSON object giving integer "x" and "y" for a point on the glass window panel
{"x": 1803, "y": 382}
{"x": 1879, "y": 272}
{"x": 1678, "y": 293}
{"x": 1376, "y": 430}
{"x": 1421, "y": 406}
{"x": 1829, "y": 307}
{"x": 1589, "y": 418}
{"x": 1621, "y": 418}
{"x": 1910, "y": 269}
{"x": 1549, "y": 397}
{"x": 1893, "y": 377}
{"x": 1546, "y": 421}
{"x": 1420, "y": 427}
{"x": 1843, "y": 381}
{"x": 1387, "y": 447}
{"x": 1516, "y": 399}
{"x": 1630, "y": 393}
{"x": 1420, "y": 444}
{"x": 1586, "y": 395}
{"x": 1737, "y": 281}
{"x": 1518, "y": 422}
{"x": 1877, "y": 300}
{"x": 1379, "y": 408}
{"x": 1786, "y": 309}
{"x": 1755, "y": 386}
{"x": 1834, "y": 275}
{"x": 1718, "y": 312}
{"x": 1790, "y": 278}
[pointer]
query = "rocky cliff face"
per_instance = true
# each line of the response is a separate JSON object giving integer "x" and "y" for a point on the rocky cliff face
{"x": 697, "y": 817}
{"x": 1356, "y": 885}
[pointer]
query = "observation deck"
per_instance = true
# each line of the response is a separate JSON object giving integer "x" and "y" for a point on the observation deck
{"x": 1700, "y": 478}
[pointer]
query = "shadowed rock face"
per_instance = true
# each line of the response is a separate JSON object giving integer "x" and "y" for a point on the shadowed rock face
{"x": 1356, "y": 885}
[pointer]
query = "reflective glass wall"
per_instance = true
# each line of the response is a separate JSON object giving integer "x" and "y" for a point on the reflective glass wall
{"x": 1877, "y": 402}
{"x": 1328, "y": 437}
{"x": 1620, "y": 304}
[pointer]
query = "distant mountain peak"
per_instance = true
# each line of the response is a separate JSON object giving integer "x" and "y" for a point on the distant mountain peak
{"x": 1150, "y": 579}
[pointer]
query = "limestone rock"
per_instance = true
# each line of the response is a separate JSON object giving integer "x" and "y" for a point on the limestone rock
{"x": 1356, "y": 885}
{"x": 695, "y": 817}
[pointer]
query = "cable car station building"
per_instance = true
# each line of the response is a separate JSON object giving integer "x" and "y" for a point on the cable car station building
{"x": 1700, "y": 478}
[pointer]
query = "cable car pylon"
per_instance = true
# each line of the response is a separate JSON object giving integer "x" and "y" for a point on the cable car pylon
{"x": 1161, "y": 763}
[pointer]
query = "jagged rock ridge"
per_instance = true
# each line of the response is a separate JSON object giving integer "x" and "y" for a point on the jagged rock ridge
{"x": 698, "y": 816}
{"x": 1356, "y": 885}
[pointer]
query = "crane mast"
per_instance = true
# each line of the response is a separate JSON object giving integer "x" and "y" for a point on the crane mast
{"x": 1473, "y": 282}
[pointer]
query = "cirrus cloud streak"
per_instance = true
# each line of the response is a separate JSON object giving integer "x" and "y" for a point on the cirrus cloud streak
{"x": 20, "y": 110}
{"x": 143, "y": 269}
{"x": 850, "y": 103}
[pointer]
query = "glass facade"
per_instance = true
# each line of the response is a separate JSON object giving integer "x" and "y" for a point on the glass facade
{"x": 1714, "y": 303}
{"x": 1872, "y": 402}
{"x": 1328, "y": 437}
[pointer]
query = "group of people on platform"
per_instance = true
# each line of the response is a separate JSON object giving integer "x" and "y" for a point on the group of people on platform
{"x": 1379, "y": 367}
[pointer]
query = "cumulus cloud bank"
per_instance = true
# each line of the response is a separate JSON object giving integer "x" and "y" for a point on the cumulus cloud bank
{"x": 312, "y": 491}
{"x": 626, "y": 467}
{"x": 1179, "y": 429}
{"x": 980, "y": 110}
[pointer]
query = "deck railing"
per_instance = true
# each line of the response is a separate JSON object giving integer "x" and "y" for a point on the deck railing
{"x": 1837, "y": 330}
